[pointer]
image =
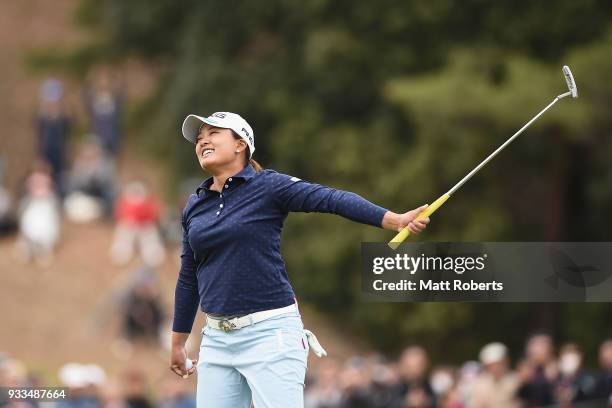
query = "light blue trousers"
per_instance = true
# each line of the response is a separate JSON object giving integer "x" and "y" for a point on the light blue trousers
{"x": 264, "y": 363}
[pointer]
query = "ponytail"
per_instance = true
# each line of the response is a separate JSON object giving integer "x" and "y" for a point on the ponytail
{"x": 255, "y": 165}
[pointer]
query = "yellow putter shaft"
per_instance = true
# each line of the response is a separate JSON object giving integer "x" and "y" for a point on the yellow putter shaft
{"x": 404, "y": 233}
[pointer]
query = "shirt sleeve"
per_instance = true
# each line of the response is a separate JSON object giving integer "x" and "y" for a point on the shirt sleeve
{"x": 186, "y": 296}
{"x": 294, "y": 194}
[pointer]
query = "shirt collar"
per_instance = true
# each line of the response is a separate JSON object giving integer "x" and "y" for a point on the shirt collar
{"x": 247, "y": 173}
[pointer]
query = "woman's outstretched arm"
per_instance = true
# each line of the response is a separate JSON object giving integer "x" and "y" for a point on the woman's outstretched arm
{"x": 294, "y": 194}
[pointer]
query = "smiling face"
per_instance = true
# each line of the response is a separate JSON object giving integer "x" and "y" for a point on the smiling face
{"x": 217, "y": 147}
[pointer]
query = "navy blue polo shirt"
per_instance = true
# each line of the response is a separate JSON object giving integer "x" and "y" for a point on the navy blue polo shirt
{"x": 231, "y": 261}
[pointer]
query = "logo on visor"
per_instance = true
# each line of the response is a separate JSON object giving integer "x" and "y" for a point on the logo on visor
{"x": 248, "y": 135}
{"x": 219, "y": 115}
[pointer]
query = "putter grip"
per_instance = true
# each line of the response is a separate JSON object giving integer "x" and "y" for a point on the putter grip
{"x": 405, "y": 232}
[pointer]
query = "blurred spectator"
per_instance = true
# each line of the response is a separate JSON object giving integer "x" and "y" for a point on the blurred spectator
{"x": 355, "y": 384}
{"x": 83, "y": 382}
{"x": 572, "y": 384}
{"x": 452, "y": 399}
{"x": 135, "y": 389}
{"x": 171, "y": 223}
{"x": 324, "y": 391}
{"x": 111, "y": 395}
{"x": 538, "y": 371}
{"x": 137, "y": 213}
{"x": 104, "y": 101}
{"x": 142, "y": 312}
{"x": 602, "y": 390}
{"x": 384, "y": 379}
{"x": 177, "y": 394}
{"x": 91, "y": 185}
{"x": 414, "y": 390}
{"x": 442, "y": 381}
{"x": 496, "y": 386}
{"x": 4, "y": 377}
{"x": 39, "y": 221}
{"x": 53, "y": 129}
{"x": 7, "y": 223}
{"x": 12, "y": 372}
{"x": 468, "y": 374}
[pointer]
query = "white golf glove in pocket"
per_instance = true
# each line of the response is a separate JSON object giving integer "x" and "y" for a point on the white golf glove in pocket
{"x": 314, "y": 344}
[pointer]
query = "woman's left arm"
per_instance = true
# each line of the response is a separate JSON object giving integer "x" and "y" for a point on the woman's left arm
{"x": 294, "y": 194}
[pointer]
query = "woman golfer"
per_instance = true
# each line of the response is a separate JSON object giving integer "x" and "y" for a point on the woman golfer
{"x": 254, "y": 347}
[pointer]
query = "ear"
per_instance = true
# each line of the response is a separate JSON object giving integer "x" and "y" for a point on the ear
{"x": 240, "y": 146}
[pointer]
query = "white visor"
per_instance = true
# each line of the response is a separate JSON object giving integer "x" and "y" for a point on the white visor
{"x": 226, "y": 120}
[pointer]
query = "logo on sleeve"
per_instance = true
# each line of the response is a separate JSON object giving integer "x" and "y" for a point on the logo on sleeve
{"x": 294, "y": 179}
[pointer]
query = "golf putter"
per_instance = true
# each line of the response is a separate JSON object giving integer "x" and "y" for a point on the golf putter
{"x": 405, "y": 232}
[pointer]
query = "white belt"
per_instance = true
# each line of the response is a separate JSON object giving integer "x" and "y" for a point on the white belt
{"x": 236, "y": 323}
{"x": 228, "y": 325}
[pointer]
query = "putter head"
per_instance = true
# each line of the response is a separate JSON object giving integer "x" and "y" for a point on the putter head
{"x": 571, "y": 84}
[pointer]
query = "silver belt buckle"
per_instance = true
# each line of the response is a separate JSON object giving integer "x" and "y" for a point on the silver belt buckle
{"x": 227, "y": 326}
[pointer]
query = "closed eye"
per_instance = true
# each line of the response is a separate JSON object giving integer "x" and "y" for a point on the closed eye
{"x": 200, "y": 136}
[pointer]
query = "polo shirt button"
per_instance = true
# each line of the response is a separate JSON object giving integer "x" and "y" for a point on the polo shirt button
{"x": 217, "y": 212}
{"x": 230, "y": 179}
{"x": 226, "y": 186}
{"x": 221, "y": 205}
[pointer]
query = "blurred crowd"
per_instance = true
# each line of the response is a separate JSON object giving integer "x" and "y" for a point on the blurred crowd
{"x": 541, "y": 377}
{"x": 78, "y": 181}
{"x": 74, "y": 179}
{"x": 89, "y": 386}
